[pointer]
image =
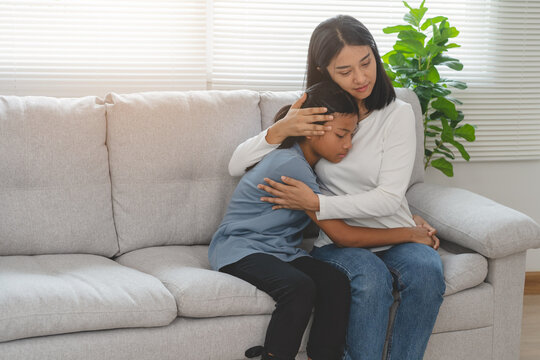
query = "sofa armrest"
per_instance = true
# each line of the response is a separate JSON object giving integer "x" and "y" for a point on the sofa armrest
{"x": 473, "y": 221}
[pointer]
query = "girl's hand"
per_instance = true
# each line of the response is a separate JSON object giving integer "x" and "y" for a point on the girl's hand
{"x": 293, "y": 194}
{"x": 298, "y": 122}
{"x": 420, "y": 235}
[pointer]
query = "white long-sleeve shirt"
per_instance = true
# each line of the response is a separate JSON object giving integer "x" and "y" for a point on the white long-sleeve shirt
{"x": 367, "y": 188}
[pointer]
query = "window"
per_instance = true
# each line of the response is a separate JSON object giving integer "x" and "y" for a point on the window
{"x": 74, "y": 48}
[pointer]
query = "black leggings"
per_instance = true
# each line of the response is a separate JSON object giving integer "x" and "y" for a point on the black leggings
{"x": 297, "y": 287}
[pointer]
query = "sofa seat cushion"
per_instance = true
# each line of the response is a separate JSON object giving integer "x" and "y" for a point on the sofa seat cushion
{"x": 198, "y": 290}
{"x": 54, "y": 294}
{"x": 463, "y": 270}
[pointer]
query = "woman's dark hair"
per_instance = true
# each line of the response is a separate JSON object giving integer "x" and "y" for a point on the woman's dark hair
{"x": 328, "y": 39}
{"x": 326, "y": 94}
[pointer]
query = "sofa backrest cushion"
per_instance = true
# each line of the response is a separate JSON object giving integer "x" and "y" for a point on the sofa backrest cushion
{"x": 169, "y": 154}
{"x": 55, "y": 190}
{"x": 271, "y": 102}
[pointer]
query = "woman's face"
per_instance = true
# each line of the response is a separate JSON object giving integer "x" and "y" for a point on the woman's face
{"x": 336, "y": 143}
{"x": 354, "y": 69}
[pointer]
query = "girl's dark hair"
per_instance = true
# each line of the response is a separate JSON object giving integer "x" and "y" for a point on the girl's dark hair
{"x": 323, "y": 94}
{"x": 328, "y": 39}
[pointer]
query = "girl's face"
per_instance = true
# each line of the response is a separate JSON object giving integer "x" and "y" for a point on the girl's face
{"x": 335, "y": 144}
{"x": 354, "y": 69}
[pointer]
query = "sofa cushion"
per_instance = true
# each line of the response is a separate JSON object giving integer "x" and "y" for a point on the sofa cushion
{"x": 54, "y": 294}
{"x": 199, "y": 291}
{"x": 462, "y": 271}
{"x": 169, "y": 154}
{"x": 55, "y": 188}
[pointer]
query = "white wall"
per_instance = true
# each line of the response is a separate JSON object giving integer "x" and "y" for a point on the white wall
{"x": 515, "y": 184}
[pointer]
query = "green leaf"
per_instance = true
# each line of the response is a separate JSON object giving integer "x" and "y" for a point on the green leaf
{"x": 461, "y": 149}
{"x": 433, "y": 127}
{"x": 433, "y": 75}
{"x": 430, "y": 134}
{"x": 427, "y": 152}
{"x": 443, "y": 165}
{"x": 432, "y": 21}
{"x": 449, "y": 32}
{"x": 397, "y": 28}
{"x": 446, "y": 106}
{"x": 411, "y": 19}
{"x": 412, "y": 35}
{"x": 410, "y": 46}
{"x": 466, "y": 131}
{"x": 440, "y": 144}
{"x": 451, "y": 46}
{"x": 386, "y": 56}
{"x": 454, "y": 83}
{"x": 434, "y": 50}
{"x": 447, "y": 134}
{"x": 396, "y": 59}
{"x": 424, "y": 95}
{"x": 447, "y": 154}
{"x": 448, "y": 61}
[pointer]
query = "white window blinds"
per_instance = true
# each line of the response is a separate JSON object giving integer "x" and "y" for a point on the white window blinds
{"x": 76, "y": 48}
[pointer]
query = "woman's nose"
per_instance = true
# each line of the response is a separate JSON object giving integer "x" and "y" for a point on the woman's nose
{"x": 358, "y": 77}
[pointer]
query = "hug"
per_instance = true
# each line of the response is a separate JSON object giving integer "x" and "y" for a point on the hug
{"x": 341, "y": 156}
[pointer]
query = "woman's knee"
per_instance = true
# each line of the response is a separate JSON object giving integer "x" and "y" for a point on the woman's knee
{"x": 427, "y": 275}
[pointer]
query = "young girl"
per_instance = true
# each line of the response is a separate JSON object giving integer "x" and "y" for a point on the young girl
{"x": 368, "y": 189}
{"x": 259, "y": 245}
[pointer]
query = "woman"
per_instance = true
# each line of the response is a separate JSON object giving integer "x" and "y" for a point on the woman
{"x": 369, "y": 190}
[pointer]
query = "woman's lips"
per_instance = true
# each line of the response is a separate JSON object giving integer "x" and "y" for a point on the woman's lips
{"x": 361, "y": 88}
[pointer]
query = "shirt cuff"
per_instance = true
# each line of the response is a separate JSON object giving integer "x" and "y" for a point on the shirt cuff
{"x": 322, "y": 206}
{"x": 263, "y": 134}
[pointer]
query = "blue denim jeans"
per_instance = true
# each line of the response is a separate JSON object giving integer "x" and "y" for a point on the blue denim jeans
{"x": 414, "y": 272}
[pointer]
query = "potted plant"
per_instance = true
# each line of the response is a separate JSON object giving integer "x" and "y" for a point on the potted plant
{"x": 420, "y": 49}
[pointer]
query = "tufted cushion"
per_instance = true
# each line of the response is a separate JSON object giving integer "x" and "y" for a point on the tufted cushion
{"x": 462, "y": 271}
{"x": 199, "y": 291}
{"x": 55, "y": 190}
{"x": 168, "y": 155}
{"x": 55, "y": 294}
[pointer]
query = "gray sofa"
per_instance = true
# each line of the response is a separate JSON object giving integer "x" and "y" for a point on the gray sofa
{"x": 107, "y": 207}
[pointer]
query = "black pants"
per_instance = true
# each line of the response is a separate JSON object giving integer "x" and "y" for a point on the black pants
{"x": 297, "y": 287}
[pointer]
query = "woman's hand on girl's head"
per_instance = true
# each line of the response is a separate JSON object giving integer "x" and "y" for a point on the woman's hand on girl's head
{"x": 299, "y": 122}
{"x": 293, "y": 194}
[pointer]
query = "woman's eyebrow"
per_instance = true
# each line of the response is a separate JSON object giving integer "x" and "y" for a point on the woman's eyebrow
{"x": 346, "y": 66}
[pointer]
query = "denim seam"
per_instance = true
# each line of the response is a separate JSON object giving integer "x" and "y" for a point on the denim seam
{"x": 398, "y": 300}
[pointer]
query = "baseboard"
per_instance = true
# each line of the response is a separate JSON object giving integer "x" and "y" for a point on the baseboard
{"x": 532, "y": 283}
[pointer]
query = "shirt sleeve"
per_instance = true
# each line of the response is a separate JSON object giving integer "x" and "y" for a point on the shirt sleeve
{"x": 250, "y": 152}
{"x": 399, "y": 151}
{"x": 297, "y": 169}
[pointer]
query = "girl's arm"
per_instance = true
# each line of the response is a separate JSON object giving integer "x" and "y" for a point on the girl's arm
{"x": 297, "y": 122}
{"x": 346, "y": 235}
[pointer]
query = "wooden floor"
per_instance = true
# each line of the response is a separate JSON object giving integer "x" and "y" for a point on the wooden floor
{"x": 530, "y": 328}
